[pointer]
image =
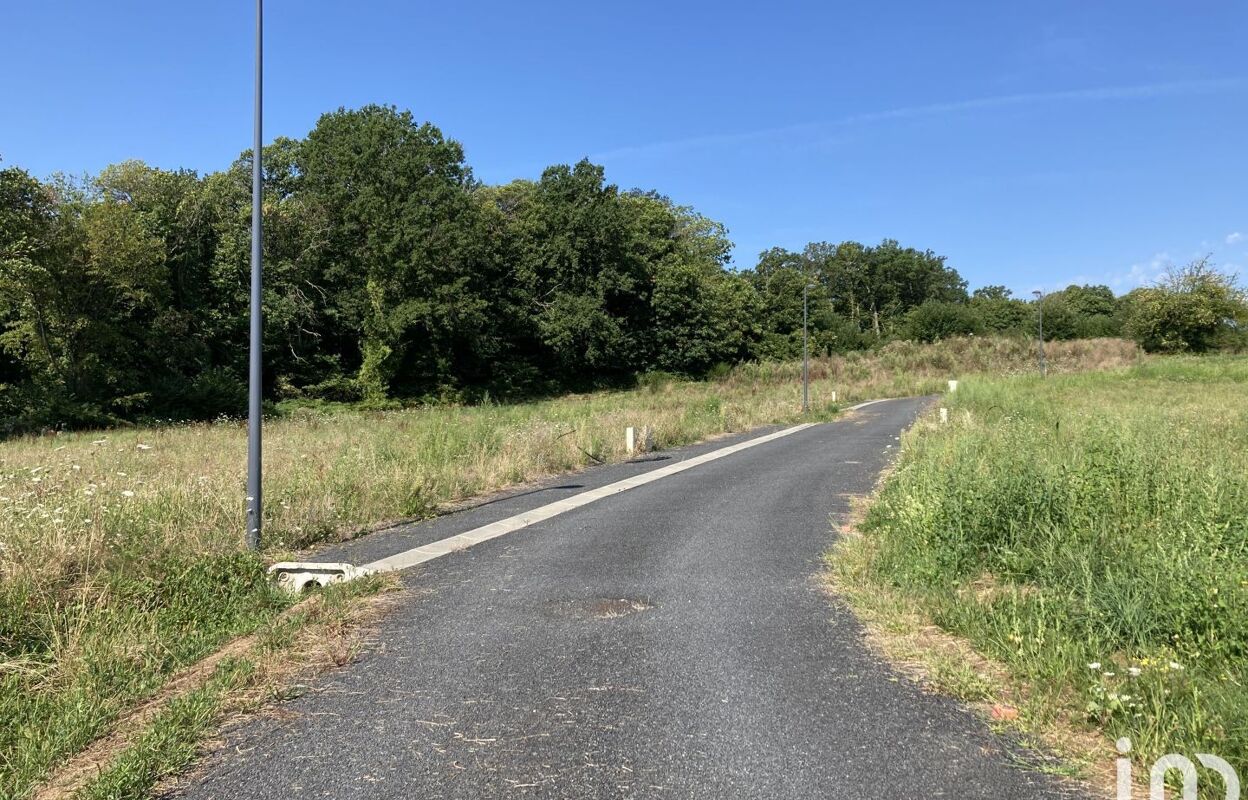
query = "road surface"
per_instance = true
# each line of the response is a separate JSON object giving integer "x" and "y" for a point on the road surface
{"x": 671, "y": 641}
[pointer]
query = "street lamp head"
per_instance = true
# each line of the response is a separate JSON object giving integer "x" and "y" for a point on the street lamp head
{"x": 1038, "y": 294}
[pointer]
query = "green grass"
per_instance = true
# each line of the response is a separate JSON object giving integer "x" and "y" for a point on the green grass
{"x": 172, "y": 738}
{"x": 119, "y": 550}
{"x": 1090, "y": 532}
{"x": 123, "y": 637}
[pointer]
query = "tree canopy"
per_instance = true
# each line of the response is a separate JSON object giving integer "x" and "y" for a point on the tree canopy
{"x": 392, "y": 273}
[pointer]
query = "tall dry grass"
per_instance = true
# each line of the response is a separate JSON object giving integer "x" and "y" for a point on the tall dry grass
{"x": 77, "y": 503}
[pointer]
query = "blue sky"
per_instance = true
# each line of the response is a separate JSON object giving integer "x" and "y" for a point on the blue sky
{"x": 1034, "y": 144}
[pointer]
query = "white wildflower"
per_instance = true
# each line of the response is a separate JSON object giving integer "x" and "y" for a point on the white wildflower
{"x": 142, "y": 447}
{"x": 127, "y": 493}
{"x": 1095, "y": 665}
{"x": 1175, "y": 665}
{"x": 1134, "y": 672}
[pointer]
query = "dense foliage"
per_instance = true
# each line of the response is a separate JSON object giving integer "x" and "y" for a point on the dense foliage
{"x": 391, "y": 273}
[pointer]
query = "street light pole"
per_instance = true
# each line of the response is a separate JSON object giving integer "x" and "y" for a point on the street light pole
{"x": 1040, "y": 328}
{"x": 805, "y": 353}
{"x": 257, "y": 330}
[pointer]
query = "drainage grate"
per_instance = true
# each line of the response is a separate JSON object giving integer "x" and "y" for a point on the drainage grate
{"x": 302, "y": 576}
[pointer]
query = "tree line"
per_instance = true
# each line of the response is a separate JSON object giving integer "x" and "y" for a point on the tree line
{"x": 392, "y": 273}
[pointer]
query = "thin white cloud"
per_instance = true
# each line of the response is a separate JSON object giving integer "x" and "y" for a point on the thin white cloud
{"x": 1234, "y": 238}
{"x": 1144, "y": 91}
{"x": 1142, "y": 273}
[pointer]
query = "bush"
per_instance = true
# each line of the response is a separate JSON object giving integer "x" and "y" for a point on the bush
{"x": 935, "y": 320}
{"x": 655, "y": 381}
{"x": 216, "y": 392}
{"x": 1192, "y": 309}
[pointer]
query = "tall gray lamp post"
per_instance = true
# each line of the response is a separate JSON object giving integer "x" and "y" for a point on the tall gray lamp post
{"x": 1040, "y": 329}
{"x": 805, "y": 351}
{"x": 256, "y": 373}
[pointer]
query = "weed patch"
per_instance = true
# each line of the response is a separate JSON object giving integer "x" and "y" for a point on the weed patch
{"x": 1089, "y": 532}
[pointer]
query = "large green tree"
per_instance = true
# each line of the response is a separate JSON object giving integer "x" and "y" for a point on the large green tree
{"x": 395, "y": 233}
{"x": 582, "y": 267}
{"x": 1194, "y": 308}
{"x": 999, "y": 311}
{"x": 873, "y": 287}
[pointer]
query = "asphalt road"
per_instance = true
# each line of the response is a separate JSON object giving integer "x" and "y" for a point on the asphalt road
{"x": 670, "y": 641}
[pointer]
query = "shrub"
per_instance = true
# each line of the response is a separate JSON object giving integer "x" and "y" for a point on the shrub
{"x": 1192, "y": 309}
{"x": 935, "y": 320}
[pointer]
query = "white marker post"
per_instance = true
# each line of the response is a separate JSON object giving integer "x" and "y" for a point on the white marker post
{"x": 630, "y": 440}
{"x": 944, "y": 416}
{"x": 953, "y": 386}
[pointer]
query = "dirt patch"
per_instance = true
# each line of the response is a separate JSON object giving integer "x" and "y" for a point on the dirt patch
{"x": 599, "y": 607}
{"x": 610, "y": 609}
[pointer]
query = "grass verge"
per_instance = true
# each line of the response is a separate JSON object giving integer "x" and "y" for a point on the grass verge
{"x": 161, "y": 738}
{"x": 1087, "y": 534}
{"x": 119, "y": 550}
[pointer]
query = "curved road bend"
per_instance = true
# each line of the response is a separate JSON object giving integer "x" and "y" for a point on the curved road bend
{"x": 670, "y": 642}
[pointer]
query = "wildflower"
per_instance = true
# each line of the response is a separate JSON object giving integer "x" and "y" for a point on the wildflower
{"x": 1174, "y": 665}
{"x": 1109, "y": 674}
{"x": 127, "y": 493}
{"x": 142, "y": 447}
{"x": 1095, "y": 665}
{"x": 1134, "y": 672}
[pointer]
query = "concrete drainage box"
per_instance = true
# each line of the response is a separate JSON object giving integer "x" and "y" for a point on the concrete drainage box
{"x": 299, "y": 576}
